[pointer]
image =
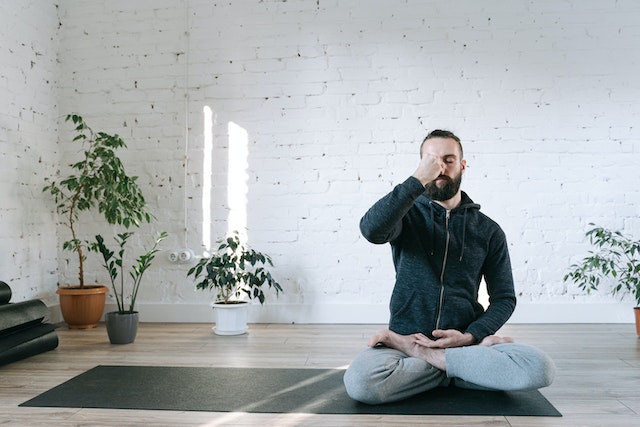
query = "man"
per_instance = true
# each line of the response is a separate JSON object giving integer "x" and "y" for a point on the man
{"x": 439, "y": 334}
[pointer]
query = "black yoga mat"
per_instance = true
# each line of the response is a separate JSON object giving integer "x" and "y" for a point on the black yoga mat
{"x": 27, "y": 342}
{"x": 8, "y": 342}
{"x": 318, "y": 391}
{"x": 21, "y": 314}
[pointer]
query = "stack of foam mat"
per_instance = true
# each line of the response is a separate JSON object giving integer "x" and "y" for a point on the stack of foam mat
{"x": 23, "y": 329}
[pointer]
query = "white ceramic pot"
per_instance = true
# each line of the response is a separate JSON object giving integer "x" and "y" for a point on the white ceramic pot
{"x": 231, "y": 319}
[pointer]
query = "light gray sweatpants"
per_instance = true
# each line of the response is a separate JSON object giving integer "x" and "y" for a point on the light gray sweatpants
{"x": 381, "y": 374}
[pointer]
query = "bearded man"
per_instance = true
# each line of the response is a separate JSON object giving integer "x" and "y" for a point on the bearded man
{"x": 439, "y": 334}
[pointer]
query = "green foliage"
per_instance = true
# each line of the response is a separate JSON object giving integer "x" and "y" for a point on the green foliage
{"x": 97, "y": 181}
{"x": 615, "y": 256}
{"x": 114, "y": 264}
{"x": 233, "y": 270}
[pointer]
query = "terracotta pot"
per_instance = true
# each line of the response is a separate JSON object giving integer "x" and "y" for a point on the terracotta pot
{"x": 636, "y": 311}
{"x": 82, "y": 308}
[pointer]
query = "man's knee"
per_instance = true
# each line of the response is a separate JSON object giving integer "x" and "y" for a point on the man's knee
{"x": 385, "y": 375}
{"x": 546, "y": 371}
{"x": 360, "y": 387}
{"x": 536, "y": 368}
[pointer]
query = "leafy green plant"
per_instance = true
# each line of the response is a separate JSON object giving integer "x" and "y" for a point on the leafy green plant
{"x": 233, "y": 270}
{"x": 615, "y": 256}
{"x": 114, "y": 264}
{"x": 98, "y": 180}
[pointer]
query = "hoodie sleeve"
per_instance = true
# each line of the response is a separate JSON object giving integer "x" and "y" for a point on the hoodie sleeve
{"x": 502, "y": 298}
{"x": 382, "y": 223}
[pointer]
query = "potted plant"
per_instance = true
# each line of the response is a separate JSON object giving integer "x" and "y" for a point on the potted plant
{"x": 122, "y": 325}
{"x": 234, "y": 271}
{"x": 616, "y": 256}
{"x": 97, "y": 181}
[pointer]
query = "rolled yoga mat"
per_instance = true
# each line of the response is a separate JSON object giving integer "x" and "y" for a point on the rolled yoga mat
{"x": 21, "y": 315}
{"x": 22, "y": 331}
{"x": 5, "y": 293}
{"x": 27, "y": 343}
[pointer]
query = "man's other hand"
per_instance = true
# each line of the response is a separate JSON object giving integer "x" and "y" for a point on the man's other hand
{"x": 445, "y": 338}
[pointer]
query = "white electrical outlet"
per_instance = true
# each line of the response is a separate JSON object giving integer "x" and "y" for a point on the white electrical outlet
{"x": 185, "y": 255}
{"x": 180, "y": 255}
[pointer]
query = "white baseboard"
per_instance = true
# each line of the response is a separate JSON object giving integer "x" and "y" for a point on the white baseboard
{"x": 609, "y": 312}
{"x": 372, "y": 313}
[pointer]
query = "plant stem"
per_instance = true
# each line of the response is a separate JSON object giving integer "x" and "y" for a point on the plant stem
{"x": 121, "y": 299}
{"x": 75, "y": 240}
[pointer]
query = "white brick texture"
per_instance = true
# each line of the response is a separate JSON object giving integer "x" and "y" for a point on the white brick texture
{"x": 28, "y": 133}
{"x": 334, "y": 96}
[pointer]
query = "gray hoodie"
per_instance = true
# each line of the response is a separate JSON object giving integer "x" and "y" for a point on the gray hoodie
{"x": 440, "y": 258}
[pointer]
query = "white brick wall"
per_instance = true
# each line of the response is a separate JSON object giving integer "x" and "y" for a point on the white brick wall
{"x": 334, "y": 96}
{"x": 28, "y": 131}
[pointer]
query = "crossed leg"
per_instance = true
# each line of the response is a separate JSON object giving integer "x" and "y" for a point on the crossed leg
{"x": 400, "y": 368}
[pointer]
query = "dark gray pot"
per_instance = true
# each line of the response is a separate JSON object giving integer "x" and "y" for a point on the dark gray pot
{"x": 122, "y": 327}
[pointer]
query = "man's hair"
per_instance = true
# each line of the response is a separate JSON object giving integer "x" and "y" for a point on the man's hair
{"x": 439, "y": 133}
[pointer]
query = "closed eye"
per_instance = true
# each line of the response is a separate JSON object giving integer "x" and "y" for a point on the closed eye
{"x": 450, "y": 159}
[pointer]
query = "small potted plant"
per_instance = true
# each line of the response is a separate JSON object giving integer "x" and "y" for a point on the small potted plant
{"x": 615, "y": 256}
{"x": 234, "y": 271}
{"x": 122, "y": 325}
{"x": 97, "y": 181}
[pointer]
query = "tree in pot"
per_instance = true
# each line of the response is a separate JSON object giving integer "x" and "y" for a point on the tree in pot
{"x": 234, "y": 271}
{"x": 122, "y": 325}
{"x": 99, "y": 181}
{"x": 617, "y": 257}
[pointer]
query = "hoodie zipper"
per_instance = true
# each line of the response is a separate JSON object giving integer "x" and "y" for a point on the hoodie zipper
{"x": 444, "y": 264}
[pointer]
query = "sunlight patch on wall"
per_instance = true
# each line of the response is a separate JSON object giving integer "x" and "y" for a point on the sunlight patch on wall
{"x": 237, "y": 183}
{"x": 207, "y": 170}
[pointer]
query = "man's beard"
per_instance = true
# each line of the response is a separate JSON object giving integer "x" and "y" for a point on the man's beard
{"x": 449, "y": 190}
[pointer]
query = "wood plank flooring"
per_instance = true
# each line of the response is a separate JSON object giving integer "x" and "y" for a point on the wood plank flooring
{"x": 597, "y": 383}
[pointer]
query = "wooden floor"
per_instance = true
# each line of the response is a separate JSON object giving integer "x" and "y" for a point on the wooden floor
{"x": 597, "y": 384}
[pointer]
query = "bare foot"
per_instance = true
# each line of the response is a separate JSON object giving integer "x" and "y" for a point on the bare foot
{"x": 380, "y": 337}
{"x": 495, "y": 339}
{"x": 407, "y": 344}
{"x": 391, "y": 339}
{"x": 433, "y": 356}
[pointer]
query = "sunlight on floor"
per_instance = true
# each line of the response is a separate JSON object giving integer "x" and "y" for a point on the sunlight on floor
{"x": 287, "y": 419}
